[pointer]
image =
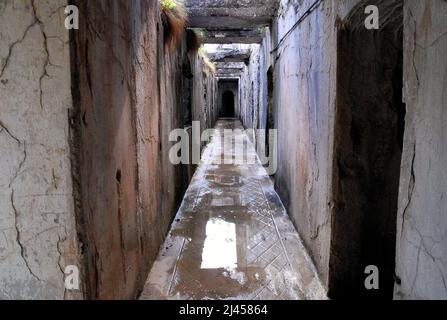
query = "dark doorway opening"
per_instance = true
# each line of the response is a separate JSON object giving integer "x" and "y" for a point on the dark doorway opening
{"x": 270, "y": 112}
{"x": 368, "y": 152}
{"x": 228, "y": 105}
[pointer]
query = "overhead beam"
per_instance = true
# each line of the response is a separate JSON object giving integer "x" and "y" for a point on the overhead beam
{"x": 229, "y": 70}
{"x": 230, "y": 14}
{"x": 226, "y": 65}
{"x": 229, "y": 76}
{"x": 239, "y": 58}
{"x": 231, "y": 56}
{"x": 233, "y": 36}
{"x": 228, "y": 79}
{"x": 227, "y": 22}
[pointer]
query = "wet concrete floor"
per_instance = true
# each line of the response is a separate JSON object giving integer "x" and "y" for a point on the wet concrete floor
{"x": 232, "y": 238}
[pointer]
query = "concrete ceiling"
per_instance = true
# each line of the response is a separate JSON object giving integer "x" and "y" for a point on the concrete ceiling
{"x": 230, "y": 14}
{"x": 231, "y": 21}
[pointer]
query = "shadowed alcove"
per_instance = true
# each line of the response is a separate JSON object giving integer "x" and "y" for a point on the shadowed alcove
{"x": 368, "y": 150}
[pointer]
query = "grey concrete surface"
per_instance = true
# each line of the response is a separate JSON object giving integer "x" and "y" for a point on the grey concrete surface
{"x": 232, "y": 238}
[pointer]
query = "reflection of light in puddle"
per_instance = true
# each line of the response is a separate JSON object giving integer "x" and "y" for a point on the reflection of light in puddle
{"x": 219, "y": 250}
{"x": 238, "y": 276}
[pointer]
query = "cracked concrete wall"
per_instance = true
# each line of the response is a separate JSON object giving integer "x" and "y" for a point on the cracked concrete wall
{"x": 264, "y": 66}
{"x": 130, "y": 99}
{"x": 304, "y": 97}
{"x": 422, "y": 220}
{"x": 251, "y": 89}
{"x": 84, "y": 134}
{"x": 305, "y": 100}
{"x": 204, "y": 94}
{"x": 253, "y": 112}
{"x": 261, "y": 66}
{"x": 37, "y": 219}
{"x": 304, "y": 73}
{"x": 254, "y": 72}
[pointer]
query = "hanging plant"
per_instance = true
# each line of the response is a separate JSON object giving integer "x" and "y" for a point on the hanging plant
{"x": 208, "y": 66}
{"x": 174, "y": 19}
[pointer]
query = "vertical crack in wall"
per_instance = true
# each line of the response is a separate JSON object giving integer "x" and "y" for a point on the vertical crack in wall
{"x": 12, "y": 46}
{"x": 21, "y": 164}
{"x": 47, "y": 62}
{"x": 316, "y": 234}
{"x": 417, "y": 269}
{"x": 47, "y": 52}
{"x": 75, "y": 121}
{"x": 413, "y": 54}
{"x": 411, "y": 188}
{"x": 120, "y": 222}
{"x": 4, "y": 128}
{"x": 59, "y": 262}
{"x": 19, "y": 237}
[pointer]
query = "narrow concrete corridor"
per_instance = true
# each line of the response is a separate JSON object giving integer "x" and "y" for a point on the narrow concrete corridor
{"x": 341, "y": 194}
{"x": 232, "y": 237}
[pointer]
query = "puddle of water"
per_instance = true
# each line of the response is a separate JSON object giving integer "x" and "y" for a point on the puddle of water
{"x": 219, "y": 249}
{"x": 213, "y": 264}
